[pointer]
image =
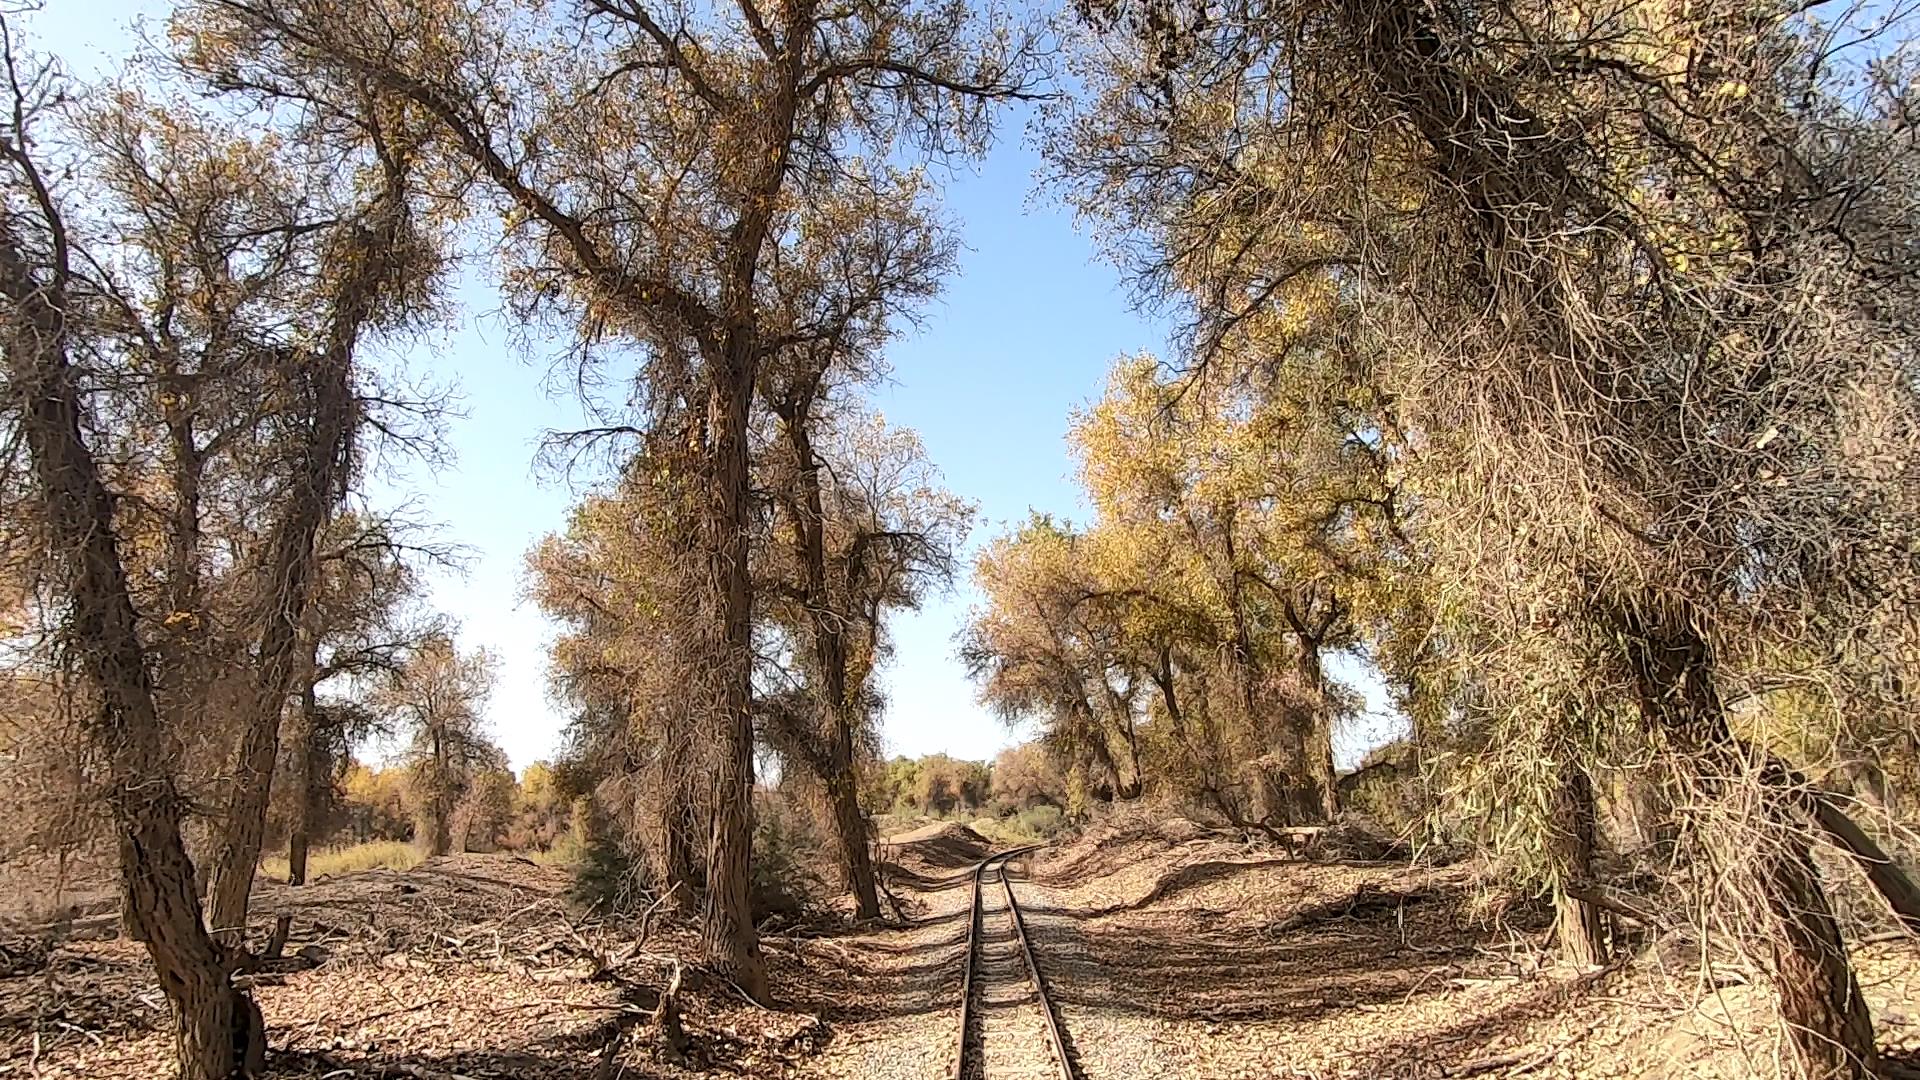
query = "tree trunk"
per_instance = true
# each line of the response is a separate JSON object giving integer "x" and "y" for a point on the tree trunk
{"x": 851, "y": 825}
{"x": 1126, "y": 783}
{"x": 828, "y": 630}
{"x": 1322, "y": 791}
{"x": 218, "y": 1029}
{"x": 1579, "y": 925}
{"x": 439, "y": 838}
{"x": 321, "y": 474}
{"x": 1130, "y": 736}
{"x": 306, "y": 787}
{"x": 727, "y": 933}
{"x": 241, "y": 834}
{"x": 1828, "y": 1021}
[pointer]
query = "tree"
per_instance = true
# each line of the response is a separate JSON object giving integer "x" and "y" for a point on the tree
{"x": 1639, "y": 331}
{"x": 108, "y": 291}
{"x": 541, "y": 805}
{"x": 358, "y": 628}
{"x": 1030, "y": 650}
{"x": 866, "y": 541}
{"x": 438, "y": 696}
{"x": 657, "y": 170}
{"x": 624, "y": 579}
{"x": 1024, "y": 776}
{"x": 1250, "y": 512}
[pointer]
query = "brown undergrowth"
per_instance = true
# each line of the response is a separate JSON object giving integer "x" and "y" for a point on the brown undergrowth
{"x": 465, "y": 966}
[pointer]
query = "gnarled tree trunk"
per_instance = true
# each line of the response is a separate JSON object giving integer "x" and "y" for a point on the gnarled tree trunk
{"x": 218, "y": 1031}
{"x": 1579, "y": 924}
{"x": 1828, "y": 1020}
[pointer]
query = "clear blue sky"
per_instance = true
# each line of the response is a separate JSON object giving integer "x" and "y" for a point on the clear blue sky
{"x": 1024, "y": 333}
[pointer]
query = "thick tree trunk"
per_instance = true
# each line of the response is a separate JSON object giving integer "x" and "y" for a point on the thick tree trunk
{"x": 218, "y": 1029}
{"x": 1820, "y": 1002}
{"x": 1101, "y": 751}
{"x": 727, "y": 933}
{"x": 1579, "y": 925}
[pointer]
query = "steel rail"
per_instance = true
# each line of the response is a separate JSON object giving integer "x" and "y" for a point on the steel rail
{"x": 1039, "y": 985}
{"x": 976, "y": 919}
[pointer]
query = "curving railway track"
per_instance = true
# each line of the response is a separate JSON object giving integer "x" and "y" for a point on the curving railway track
{"x": 1000, "y": 1021}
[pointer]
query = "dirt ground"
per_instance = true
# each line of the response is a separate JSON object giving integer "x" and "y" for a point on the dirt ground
{"x": 1170, "y": 953}
{"x": 1178, "y": 954}
{"x": 470, "y": 966}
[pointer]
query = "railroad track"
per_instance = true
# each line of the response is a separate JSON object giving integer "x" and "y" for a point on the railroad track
{"x": 971, "y": 1052}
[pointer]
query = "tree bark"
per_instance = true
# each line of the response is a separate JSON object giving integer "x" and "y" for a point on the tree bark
{"x": 727, "y": 933}
{"x": 1579, "y": 924}
{"x": 218, "y": 1031}
{"x": 1887, "y": 876}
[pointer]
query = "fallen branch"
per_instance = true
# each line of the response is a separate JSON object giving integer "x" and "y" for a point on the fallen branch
{"x": 1603, "y": 897}
{"x": 666, "y": 1021}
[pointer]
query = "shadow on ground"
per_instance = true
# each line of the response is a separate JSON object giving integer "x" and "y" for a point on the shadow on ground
{"x": 1373, "y": 947}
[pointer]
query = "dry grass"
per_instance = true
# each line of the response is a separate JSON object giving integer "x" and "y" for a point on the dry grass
{"x": 566, "y": 853}
{"x": 372, "y": 855}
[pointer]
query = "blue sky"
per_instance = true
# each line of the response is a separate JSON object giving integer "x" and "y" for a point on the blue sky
{"x": 1024, "y": 332}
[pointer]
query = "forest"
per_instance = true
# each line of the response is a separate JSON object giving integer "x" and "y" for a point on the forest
{"x": 1552, "y": 362}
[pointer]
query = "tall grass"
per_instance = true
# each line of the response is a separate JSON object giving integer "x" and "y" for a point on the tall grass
{"x": 372, "y": 855}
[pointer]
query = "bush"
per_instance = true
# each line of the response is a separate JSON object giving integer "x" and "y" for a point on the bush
{"x": 789, "y": 842}
{"x": 605, "y": 878}
{"x": 1029, "y": 826}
